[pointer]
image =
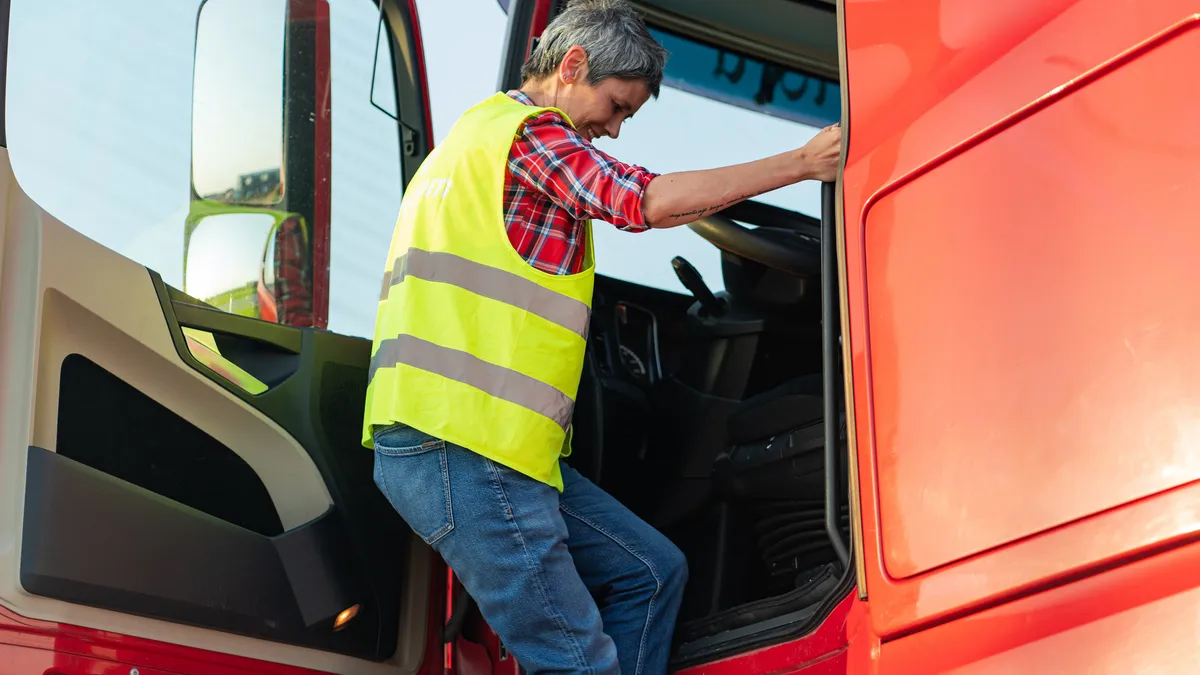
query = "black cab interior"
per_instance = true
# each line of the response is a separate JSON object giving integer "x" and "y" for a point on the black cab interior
{"x": 717, "y": 413}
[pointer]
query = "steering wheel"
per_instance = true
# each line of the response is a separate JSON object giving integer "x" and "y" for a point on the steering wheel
{"x": 793, "y": 250}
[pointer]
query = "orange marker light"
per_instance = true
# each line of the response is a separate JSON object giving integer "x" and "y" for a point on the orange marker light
{"x": 344, "y": 617}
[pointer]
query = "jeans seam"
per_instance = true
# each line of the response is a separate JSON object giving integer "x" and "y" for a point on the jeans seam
{"x": 658, "y": 584}
{"x": 409, "y": 450}
{"x": 382, "y": 483}
{"x": 449, "y": 527}
{"x": 559, "y": 619}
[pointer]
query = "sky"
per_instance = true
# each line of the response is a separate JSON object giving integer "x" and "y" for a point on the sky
{"x": 100, "y": 131}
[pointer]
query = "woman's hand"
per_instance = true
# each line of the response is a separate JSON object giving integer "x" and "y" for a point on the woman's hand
{"x": 823, "y": 153}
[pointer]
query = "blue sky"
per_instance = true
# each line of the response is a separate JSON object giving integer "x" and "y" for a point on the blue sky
{"x": 100, "y": 132}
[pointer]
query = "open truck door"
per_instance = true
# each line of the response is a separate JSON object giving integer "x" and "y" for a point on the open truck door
{"x": 184, "y": 488}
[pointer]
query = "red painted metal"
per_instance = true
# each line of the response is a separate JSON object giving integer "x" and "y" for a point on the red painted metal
{"x": 451, "y": 590}
{"x": 473, "y": 658}
{"x": 1018, "y": 223}
{"x": 822, "y": 652}
{"x": 477, "y": 649}
{"x": 1105, "y": 87}
{"x": 322, "y": 168}
{"x": 418, "y": 57}
{"x": 503, "y": 663}
{"x": 439, "y": 599}
{"x": 28, "y": 646}
{"x": 1137, "y": 618}
{"x": 541, "y": 19}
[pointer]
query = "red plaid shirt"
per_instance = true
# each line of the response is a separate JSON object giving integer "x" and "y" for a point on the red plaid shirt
{"x": 556, "y": 180}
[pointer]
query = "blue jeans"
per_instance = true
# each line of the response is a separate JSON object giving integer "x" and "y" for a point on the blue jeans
{"x": 572, "y": 583}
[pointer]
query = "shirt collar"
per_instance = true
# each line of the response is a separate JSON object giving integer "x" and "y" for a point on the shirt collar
{"x": 522, "y": 97}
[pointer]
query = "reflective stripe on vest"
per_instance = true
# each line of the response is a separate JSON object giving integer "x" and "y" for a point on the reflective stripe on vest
{"x": 489, "y": 282}
{"x": 472, "y": 345}
{"x": 460, "y": 366}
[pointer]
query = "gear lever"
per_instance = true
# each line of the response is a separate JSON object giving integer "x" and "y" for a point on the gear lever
{"x": 710, "y": 304}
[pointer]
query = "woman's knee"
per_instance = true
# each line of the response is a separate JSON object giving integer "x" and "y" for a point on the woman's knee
{"x": 672, "y": 567}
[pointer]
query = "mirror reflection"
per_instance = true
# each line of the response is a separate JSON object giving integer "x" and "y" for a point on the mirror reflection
{"x": 224, "y": 261}
{"x": 251, "y": 263}
{"x": 237, "y": 107}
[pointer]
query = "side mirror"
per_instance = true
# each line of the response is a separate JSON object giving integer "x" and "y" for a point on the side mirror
{"x": 251, "y": 262}
{"x": 225, "y": 262}
{"x": 237, "y": 109}
{"x": 248, "y": 248}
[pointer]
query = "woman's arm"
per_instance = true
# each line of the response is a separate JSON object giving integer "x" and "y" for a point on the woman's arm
{"x": 679, "y": 198}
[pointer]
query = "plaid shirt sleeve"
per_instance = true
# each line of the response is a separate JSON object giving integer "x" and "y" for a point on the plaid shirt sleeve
{"x": 551, "y": 157}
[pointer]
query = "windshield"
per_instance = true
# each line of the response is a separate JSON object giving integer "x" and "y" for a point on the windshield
{"x": 749, "y": 83}
{"x": 717, "y": 107}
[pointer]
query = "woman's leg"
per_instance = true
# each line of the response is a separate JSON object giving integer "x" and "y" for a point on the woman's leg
{"x": 636, "y": 574}
{"x": 503, "y": 535}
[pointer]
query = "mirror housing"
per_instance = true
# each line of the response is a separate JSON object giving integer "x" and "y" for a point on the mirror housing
{"x": 256, "y": 235}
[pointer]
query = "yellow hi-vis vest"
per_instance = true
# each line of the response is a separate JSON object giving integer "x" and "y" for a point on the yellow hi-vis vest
{"x": 473, "y": 345}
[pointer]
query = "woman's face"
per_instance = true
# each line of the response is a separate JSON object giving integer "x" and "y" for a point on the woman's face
{"x": 600, "y": 109}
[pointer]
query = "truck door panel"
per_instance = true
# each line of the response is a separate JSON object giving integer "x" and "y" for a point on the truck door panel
{"x": 177, "y": 504}
{"x": 179, "y": 476}
{"x": 1021, "y": 367}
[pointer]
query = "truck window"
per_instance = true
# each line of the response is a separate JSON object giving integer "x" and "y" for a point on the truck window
{"x": 716, "y": 107}
{"x": 98, "y": 120}
{"x": 367, "y": 180}
{"x": 202, "y": 179}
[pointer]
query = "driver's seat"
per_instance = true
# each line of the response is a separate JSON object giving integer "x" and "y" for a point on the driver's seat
{"x": 794, "y": 404}
{"x": 776, "y": 439}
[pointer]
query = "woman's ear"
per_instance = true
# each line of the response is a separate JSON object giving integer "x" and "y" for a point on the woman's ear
{"x": 574, "y": 66}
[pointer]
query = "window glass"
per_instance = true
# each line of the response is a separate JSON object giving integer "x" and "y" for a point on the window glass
{"x": 749, "y": 83}
{"x": 716, "y": 108}
{"x": 188, "y": 138}
{"x": 99, "y": 102}
{"x": 366, "y": 170}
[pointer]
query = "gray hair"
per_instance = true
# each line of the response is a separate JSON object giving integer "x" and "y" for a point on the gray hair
{"x": 613, "y": 35}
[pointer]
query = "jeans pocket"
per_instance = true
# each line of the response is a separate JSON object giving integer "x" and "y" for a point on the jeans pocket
{"x": 402, "y": 440}
{"x": 416, "y": 480}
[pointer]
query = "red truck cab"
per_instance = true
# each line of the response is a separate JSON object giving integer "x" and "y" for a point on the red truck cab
{"x": 935, "y": 417}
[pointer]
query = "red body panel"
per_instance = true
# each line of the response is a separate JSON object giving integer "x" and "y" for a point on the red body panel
{"x": 419, "y": 59}
{"x": 1020, "y": 226}
{"x": 1137, "y": 618}
{"x": 322, "y": 167}
{"x": 822, "y": 652}
{"x": 40, "y": 647}
{"x": 28, "y": 646}
{"x": 541, "y": 19}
